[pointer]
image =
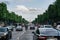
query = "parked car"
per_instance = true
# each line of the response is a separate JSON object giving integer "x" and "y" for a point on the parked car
{"x": 46, "y": 32}
{"x": 19, "y": 28}
{"x": 10, "y": 28}
{"x": 5, "y": 33}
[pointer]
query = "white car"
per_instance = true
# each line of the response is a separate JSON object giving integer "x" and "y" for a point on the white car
{"x": 19, "y": 28}
{"x": 46, "y": 32}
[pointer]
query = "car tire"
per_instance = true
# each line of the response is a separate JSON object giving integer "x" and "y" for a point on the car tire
{"x": 7, "y": 37}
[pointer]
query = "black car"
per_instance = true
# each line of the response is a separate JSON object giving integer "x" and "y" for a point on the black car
{"x": 32, "y": 28}
{"x": 5, "y": 33}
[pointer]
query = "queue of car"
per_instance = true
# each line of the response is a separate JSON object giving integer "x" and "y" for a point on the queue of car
{"x": 6, "y": 31}
{"x": 44, "y": 32}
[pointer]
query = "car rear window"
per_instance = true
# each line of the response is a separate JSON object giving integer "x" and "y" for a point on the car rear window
{"x": 48, "y": 26}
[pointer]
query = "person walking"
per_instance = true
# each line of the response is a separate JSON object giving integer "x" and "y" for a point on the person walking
{"x": 26, "y": 27}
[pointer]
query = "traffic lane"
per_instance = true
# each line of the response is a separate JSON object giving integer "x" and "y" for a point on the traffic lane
{"x": 17, "y": 34}
{"x": 27, "y": 35}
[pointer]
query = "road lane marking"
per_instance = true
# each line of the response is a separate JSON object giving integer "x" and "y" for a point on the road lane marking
{"x": 17, "y": 38}
{"x": 22, "y": 33}
{"x": 52, "y": 39}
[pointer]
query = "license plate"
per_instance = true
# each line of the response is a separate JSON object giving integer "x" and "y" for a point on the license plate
{"x": 52, "y": 39}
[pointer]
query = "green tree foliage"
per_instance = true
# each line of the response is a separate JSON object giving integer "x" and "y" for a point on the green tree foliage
{"x": 7, "y": 16}
{"x": 52, "y": 14}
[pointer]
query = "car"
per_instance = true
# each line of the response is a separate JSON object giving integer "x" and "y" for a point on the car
{"x": 46, "y": 32}
{"x": 10, "y": 28}
{"x": 13, "y": 26}
{"x": 4, "y": 33}
{"x": 19, "y": 28}
{"x": 9, "y": 31}
{"x": 32, "y": 28}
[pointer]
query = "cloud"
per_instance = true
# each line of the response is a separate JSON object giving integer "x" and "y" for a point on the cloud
{"x": 24, "y": 0}
{"x": 18, "y": 6}
{"x": 21, "y": 8}
{"x": 25, "y": 9}
{"x": 27, "y": 13}
{"x": 34, "y": 9}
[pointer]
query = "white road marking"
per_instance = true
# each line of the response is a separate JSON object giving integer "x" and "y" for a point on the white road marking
{"x": 52, "y": 39}
{"x": 17, "y": 38}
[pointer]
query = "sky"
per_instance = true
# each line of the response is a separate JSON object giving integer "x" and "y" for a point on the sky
{"x": 28, "y": 9}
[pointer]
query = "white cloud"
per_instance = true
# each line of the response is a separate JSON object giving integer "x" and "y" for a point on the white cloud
{"x": 27, "y": 13}
{"x": 34, "y": 9}
{"x": 24, "y": 0}
{"x": 30, "y": 14}
{"x": 21, "y": 8}
{"x": 26, "y": 9}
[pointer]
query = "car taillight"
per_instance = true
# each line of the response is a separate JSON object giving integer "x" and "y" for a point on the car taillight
{"x": 42, "y": 37}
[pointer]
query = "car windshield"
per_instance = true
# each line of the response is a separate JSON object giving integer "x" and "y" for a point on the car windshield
{"x": 18, "y": 26}
{"x": 3, "y": 30}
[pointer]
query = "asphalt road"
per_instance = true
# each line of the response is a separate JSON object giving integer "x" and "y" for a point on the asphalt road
{"x": 27, "y": 35}
{"x": 22, "y": 35}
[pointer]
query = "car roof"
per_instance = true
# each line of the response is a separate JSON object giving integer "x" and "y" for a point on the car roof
{"x": 47, "y": 25}
{"x": 3, "y": 27}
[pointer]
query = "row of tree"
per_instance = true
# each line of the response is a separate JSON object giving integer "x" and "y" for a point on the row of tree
{"x": 9, "y": 17}
{"x": 51, "y": 15}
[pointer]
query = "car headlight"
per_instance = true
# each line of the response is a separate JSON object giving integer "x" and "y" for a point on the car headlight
{"x": 5, "y": 33}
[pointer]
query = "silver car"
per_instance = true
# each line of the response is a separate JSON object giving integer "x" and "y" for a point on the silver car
{"x": 19, "y": 28}
{"x": 46, "y": 32}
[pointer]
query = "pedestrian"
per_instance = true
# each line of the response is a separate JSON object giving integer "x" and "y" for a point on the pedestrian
{"x": 26, "y": 27}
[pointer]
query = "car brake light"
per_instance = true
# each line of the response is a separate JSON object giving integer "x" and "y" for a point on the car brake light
{"x": 42, "y": 37}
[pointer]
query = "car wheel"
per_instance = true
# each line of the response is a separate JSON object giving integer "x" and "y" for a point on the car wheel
{"x": 7, "y": 37}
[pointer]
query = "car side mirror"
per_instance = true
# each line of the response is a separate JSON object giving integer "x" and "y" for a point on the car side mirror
{"x": 33, "y": 32}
